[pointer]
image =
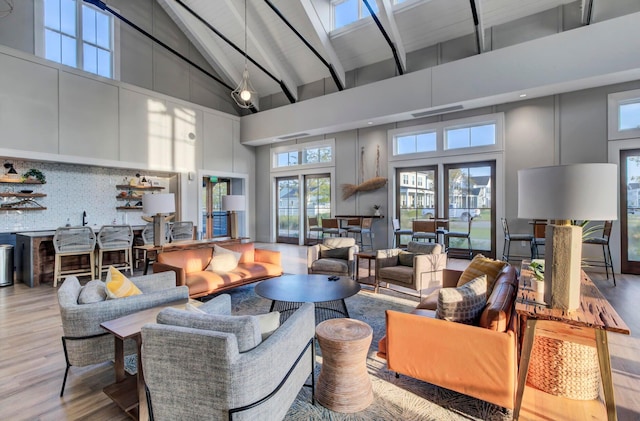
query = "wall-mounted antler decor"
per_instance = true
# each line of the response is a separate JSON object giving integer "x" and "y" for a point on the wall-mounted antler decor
{"x": 372, "y": 184}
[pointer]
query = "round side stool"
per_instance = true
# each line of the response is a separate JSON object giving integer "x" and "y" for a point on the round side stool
{"x": 344, "y": 384}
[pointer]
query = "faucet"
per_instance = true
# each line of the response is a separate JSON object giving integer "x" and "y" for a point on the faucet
{"x": 84, "y": 218}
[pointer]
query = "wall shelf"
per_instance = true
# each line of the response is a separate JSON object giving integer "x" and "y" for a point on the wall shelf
{"x": 128, "y": 187}
{"x": 129, "y": 208}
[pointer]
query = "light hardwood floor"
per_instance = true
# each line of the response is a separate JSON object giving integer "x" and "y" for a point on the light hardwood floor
{"x": 32, "y": 361}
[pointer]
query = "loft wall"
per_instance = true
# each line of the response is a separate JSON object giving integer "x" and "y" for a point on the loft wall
{"x": 142, "y": 63}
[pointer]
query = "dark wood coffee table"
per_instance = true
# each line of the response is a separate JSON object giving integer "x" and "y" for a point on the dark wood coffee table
{"x": 288, "y": 292}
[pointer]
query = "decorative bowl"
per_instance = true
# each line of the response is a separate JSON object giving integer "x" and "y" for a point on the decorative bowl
{"x": 26, "y": 191}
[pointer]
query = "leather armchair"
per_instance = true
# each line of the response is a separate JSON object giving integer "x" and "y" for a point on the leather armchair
{"x": 418, "y": 268}
{"x": 335, "y": 256}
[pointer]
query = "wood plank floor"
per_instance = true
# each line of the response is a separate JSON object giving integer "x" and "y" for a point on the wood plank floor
{"x": 32, "y": 361}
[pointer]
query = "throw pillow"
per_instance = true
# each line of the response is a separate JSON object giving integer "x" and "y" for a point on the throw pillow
{"x": 405, "y": 258}
{"x": 481, "y": 265}
{"x": 463, "y": 304}
{"x": 93, "y": 292}
{"x": 245, "y": 328}
{"x": 223, "y": 260}
{"x": 118, "y": 285}
{"x": 269, "y": 322}
{"x": 337, "y": 253}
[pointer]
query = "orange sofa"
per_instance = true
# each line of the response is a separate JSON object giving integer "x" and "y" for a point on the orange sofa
{"x": 190, "y": 268}
{"x": 479, "y": 361}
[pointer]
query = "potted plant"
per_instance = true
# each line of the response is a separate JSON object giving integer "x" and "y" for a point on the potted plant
{"x": 34, "y": 174}
{"x": 377, "y": 210}
{"x": 537, "y": 268}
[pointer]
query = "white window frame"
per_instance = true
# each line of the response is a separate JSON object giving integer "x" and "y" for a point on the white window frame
{"x": 300, "y": 148}
{"x": 360, "y": 20}
{"x": 39, "y": 35}
{"x": 615, "y": 100}
{"x": 439, "y": 128}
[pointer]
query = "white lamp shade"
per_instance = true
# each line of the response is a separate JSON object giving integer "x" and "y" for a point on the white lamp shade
{"x": 233, "y": 202}
{"x": 578, "y": 191}
{"x": 153, "y": 204}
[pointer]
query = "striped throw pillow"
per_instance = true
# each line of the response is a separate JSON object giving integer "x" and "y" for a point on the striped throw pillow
{"x": 118, "y": 285}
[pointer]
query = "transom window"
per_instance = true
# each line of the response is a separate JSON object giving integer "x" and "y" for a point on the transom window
{"x": 629, "y": 115}
{"x": 312, "y": 154}
{"x": 345, "y": 12}
{"x": 470, "y": 136}
{"x": 76, "y": 34}
{"x": 418, "y": 142}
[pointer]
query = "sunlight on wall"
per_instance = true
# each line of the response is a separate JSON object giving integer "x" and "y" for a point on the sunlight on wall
{"x": 184, "y": 121}
{"x": 160, "y": 148}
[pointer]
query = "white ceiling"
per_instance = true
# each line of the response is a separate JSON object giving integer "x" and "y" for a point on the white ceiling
{"x": 412, "y": 25}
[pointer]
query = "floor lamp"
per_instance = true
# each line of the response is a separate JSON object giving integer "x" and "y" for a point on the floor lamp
{"x": 158, "y": 205}
{"x": 233, "y": 203}
{"x": 564, "y": 193}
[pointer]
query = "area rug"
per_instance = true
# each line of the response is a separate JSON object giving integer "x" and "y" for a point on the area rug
{"x": 402, "y": 398}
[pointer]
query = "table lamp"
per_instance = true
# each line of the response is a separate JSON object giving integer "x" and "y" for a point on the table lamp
{"x": 233, "y": 203}
{"x": 564, "y": 193}
{"x": 158, "y": 205}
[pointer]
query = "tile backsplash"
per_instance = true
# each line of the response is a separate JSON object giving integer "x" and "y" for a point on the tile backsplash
{"x": 71, "y": 189}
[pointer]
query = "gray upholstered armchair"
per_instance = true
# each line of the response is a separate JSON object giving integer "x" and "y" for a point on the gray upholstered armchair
{"x": 216, "y": 367}
{"x": 419, "y": 267}
{"x": 84, "y": 341}
{"x": 335, "y": 256}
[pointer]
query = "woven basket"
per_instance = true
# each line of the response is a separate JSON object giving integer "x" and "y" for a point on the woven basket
{"x": 564, "y": 369}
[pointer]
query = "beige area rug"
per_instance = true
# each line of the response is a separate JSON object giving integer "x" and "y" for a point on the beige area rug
{"x": 402, "y": 398}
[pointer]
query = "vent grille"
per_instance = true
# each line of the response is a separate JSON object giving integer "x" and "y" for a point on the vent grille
{"x": 438, "y": 111}
{"x": 293, "y": 136}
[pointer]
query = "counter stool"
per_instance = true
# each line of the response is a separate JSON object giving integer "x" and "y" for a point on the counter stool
{"x": 331, "y": 226}
{"x": 508, "y": 238}
{"x": 424, "y": 230}
{"x": 115, "y": 238}
{"x": 314, "y": 227}
{"x": 398, "y": 232}
{"x": 364, "y": 228}
{"x": 73, "y": 241}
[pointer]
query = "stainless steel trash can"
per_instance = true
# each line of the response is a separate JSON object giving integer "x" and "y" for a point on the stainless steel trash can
{"x": 6, "y": 265}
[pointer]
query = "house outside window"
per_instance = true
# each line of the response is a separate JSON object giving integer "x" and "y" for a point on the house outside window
{"x": 77, "y": 34}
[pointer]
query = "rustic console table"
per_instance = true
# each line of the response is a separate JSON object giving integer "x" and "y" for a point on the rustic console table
{"x": 588, "y": 325}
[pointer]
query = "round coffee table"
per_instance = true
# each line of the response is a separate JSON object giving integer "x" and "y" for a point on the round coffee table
{"x": 344, "y": 384}
{"x": 288, "y": 292}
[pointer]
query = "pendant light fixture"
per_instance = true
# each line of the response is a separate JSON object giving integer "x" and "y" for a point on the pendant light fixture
{"x": 244, "y": 95}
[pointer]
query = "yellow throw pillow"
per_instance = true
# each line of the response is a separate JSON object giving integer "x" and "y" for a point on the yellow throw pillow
{"x": 481, "y": 265}
{"x": 118, "y": 285}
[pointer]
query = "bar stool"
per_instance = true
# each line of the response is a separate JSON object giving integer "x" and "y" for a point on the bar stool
{"x": 314, "y": 227}
{"x": 115, "y": 238}
{"x": 508, "y": 238}
{"x": 539, "y": 228}
{"x": 331, "y": 227}
{"x": 73, "y": 241}
{"x": 462, "y": 235}
{"x": 181, "y": 230}
{"x": 398, "y": 232}
{"x": 364, "y": 228}
{"x": 424, "y": 230}
{"x": 606, "y": 251}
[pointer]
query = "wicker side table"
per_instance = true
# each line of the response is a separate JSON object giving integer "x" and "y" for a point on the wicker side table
{"x": 344, "y": 384}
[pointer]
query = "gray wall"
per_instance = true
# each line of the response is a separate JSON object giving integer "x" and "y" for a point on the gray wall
{"x": 142, "y": 62}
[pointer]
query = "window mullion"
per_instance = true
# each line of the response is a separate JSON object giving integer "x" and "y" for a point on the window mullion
{"x": 79, "y": 37}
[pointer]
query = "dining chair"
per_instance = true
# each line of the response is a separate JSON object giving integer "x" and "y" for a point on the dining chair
{"x": 314, "y": 228}
{"x": 424, "y": 230}
{"x": 398, "y": 232}
{"x": 181, "y": 230}
{"x": 115, "y": 238}
{"x": 73, "y": 241}
{"x": 363, "y": 228}
{"x": 509, "y": 237}
{"x": 462, "y": 235}
{"x": 603, "y": 241}
{"x": 331, "y": 226}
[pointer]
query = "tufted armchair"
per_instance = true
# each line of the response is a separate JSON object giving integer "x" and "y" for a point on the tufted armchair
{"x": 84, "y": 341}
{"x": 419, "y": 267}
{"x": 335, "y": 256}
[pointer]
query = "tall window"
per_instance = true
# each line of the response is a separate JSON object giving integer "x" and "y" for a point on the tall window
{"x": 76, "y": 34}
{"x": 346, "y": 12}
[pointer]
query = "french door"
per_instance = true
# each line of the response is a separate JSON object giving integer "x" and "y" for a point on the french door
{"x": 630, "y": 211}
{"x": 417, "y": 190}
{"x": 317, "y": 200}
{"x": 469, "y": 193}
{"x": 288, "y": 210}
{"x": 214, "y": 219}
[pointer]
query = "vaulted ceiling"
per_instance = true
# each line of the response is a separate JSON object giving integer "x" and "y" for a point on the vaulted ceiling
{"x": 288, "y": 63}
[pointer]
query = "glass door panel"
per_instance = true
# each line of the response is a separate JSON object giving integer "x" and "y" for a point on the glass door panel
{"x": 214, "y": 219}
{"x": 416, "y": 196}
{"x": 630, "y": 211}
{"x": 469, "y": 194}
{"x": 287, "y": 210}
{"x": 317, "y": 191}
